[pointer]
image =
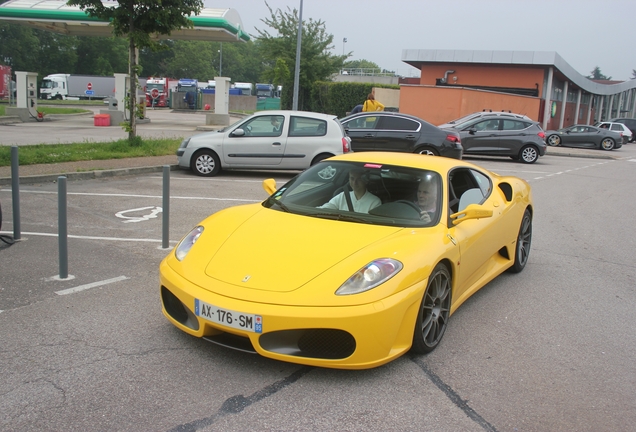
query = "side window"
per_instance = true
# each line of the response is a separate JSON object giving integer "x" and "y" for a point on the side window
{"x": 483, "y": 181}
{"x": 361, "y": 123}
{"x": 616, "y": 127}
{"x": 487, "y": 125}
{"x": 397, "y": 124}
{"x": 304, "y": 126}
{"x": 514, "y": 125}
{"x": 264, "y": 126}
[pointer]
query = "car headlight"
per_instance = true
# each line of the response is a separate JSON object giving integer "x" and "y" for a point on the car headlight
{"x": 370, "y": 276}
{"x": 185, "y": 143}
{"x": 188, "y": 241}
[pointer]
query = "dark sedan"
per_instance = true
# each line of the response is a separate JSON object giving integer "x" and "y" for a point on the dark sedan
{"x": 583, "y": 136}
{"x": 390, "y": 131}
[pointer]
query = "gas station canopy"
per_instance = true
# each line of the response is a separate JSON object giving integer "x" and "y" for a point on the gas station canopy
{"x": 219, "y": 25}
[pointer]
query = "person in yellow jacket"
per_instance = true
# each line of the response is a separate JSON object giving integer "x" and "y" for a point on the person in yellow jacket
{"x": 371, "y": 104}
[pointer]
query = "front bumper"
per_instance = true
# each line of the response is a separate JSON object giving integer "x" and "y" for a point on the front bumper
{"x": 348, "y": 337}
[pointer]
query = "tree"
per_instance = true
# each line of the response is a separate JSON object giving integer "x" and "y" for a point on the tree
{"x": 633, "y": 74}
{"x": 360, "y": 64}
{"x": 279, "y": 53}
{"x": 597, "y": 75}
{"x": 138, "y": 20}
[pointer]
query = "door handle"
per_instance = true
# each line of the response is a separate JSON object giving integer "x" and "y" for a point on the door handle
{"x": 368, "y": 136}
{"x": 410, "y": 137}
{"x": 276, "y": 143}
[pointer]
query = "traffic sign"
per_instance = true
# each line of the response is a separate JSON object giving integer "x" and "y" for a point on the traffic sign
{"x": 89, "y": 92}
{"x": 154, "y": 93}
{"x": 89, "y": 86}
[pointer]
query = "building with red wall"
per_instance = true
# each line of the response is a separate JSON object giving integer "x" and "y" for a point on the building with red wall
{"x": 539, "y": 84}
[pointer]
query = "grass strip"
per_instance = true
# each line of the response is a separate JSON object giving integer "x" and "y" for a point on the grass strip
{"x": 120, "y": 149}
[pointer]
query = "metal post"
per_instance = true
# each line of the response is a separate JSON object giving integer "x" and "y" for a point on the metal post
{"x": 221, "y": 60}
{"x": 297, "y": 68}
{"x": 62, "y": 226}
{"x": 165, "y": 237}
{"x": 15, "y": 192}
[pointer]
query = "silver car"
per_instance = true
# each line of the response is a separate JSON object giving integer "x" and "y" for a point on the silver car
{"x": 280, "y": 140}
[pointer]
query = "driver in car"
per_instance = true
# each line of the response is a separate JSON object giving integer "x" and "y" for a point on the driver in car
{"x": 361, "y": 199}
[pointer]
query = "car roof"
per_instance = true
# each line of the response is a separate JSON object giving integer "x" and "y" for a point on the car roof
{"x": 292, "y": 112}
{"x": 382, "y": 114}
{"x": 478, "y": 115}
{"x": 413, "y": 160}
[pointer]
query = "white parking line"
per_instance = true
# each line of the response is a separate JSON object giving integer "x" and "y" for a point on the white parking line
{"x": 91, "y": 237}
{"x": 90, "y": 285}
{"x": 134, "y": 196}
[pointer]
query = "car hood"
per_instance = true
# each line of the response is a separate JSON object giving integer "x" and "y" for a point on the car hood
{"x": 207, "y": 138}
{"x": 281, "y": 252}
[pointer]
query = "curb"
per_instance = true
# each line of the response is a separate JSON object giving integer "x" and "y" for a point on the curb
{"x": 87, "y": 175}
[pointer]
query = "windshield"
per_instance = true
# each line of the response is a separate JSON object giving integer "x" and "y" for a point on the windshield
{"x": 154, "y": 86}
{"x": 47, "y": 84}
{"x": 377, "y": 194}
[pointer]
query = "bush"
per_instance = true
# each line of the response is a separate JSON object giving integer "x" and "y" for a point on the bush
{"x": 338, "y": 98}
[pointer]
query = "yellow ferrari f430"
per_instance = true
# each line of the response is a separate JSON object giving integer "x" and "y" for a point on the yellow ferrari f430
{"x": 352, "y": 263}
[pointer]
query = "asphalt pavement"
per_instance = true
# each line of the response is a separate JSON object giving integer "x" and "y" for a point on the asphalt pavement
{"x": 60, "y": 129}
{"x": 93, "y": 352}
{"x": 162, "y": 123}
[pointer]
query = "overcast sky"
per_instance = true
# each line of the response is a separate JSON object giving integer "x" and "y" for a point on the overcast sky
{"x": 585, "y": 33}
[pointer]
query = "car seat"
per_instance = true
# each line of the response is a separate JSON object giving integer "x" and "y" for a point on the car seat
{"x": 471, "y": 196}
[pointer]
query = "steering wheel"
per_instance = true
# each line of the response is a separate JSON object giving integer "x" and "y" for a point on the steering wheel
{"x": 411, "y": 203}
{"x": 248, "y": 130}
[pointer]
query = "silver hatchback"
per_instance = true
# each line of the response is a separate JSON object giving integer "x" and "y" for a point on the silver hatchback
{"x": 276, "y": 140}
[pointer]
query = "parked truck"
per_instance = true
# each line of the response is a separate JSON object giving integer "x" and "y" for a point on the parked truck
{"x": 5, "y": 82}
{"x": 190, "y": 87}
{"x": 264, "y": 90}
{"x": 67, "y": 86}
{"x": 158, "y": 91}
{"x": 245, "y": 88}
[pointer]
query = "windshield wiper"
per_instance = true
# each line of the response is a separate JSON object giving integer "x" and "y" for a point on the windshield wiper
{"x": 281, "y": 205}
{"x": 339, "y": 216}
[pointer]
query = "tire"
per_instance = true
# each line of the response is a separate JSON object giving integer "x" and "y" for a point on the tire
{"x": 319, "y": 158}
{"x": 524, "y": 241}
{"x": 529, "y": 154}
{"x": 426, "y": 151}
{"x": 432, "y": 319}
{"x": 553, "y": 140}
{"x": 205, "y": 163}
{"x": 58, "y": 97}
{"x": 607, "y": 144}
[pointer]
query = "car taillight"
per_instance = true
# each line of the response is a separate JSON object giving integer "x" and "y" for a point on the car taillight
{"x": 541, "y": 135}
{"x": 346, "y": 147}
{"x": 453, "y": 138}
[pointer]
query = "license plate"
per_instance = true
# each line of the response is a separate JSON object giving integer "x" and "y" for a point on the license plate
{"x": 230, "y": 318}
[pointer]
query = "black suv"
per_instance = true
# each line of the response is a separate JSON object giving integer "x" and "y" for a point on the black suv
{"x": 502, "y": 134}
{"x": 630, "y": 123}
{"x": 391, "y": 131}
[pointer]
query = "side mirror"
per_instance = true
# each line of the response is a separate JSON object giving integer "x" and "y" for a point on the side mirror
{"x": 473, "y": 211}
{"x": 238, "y": 132}
{"x": 472, "y": 131}
{"x": 270, "y": 186}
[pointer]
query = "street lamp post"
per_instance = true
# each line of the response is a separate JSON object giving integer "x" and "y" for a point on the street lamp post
{"x": 297, "y": 67}
{"x": 221, "y": 60}
{"x": 344, "y": 41}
